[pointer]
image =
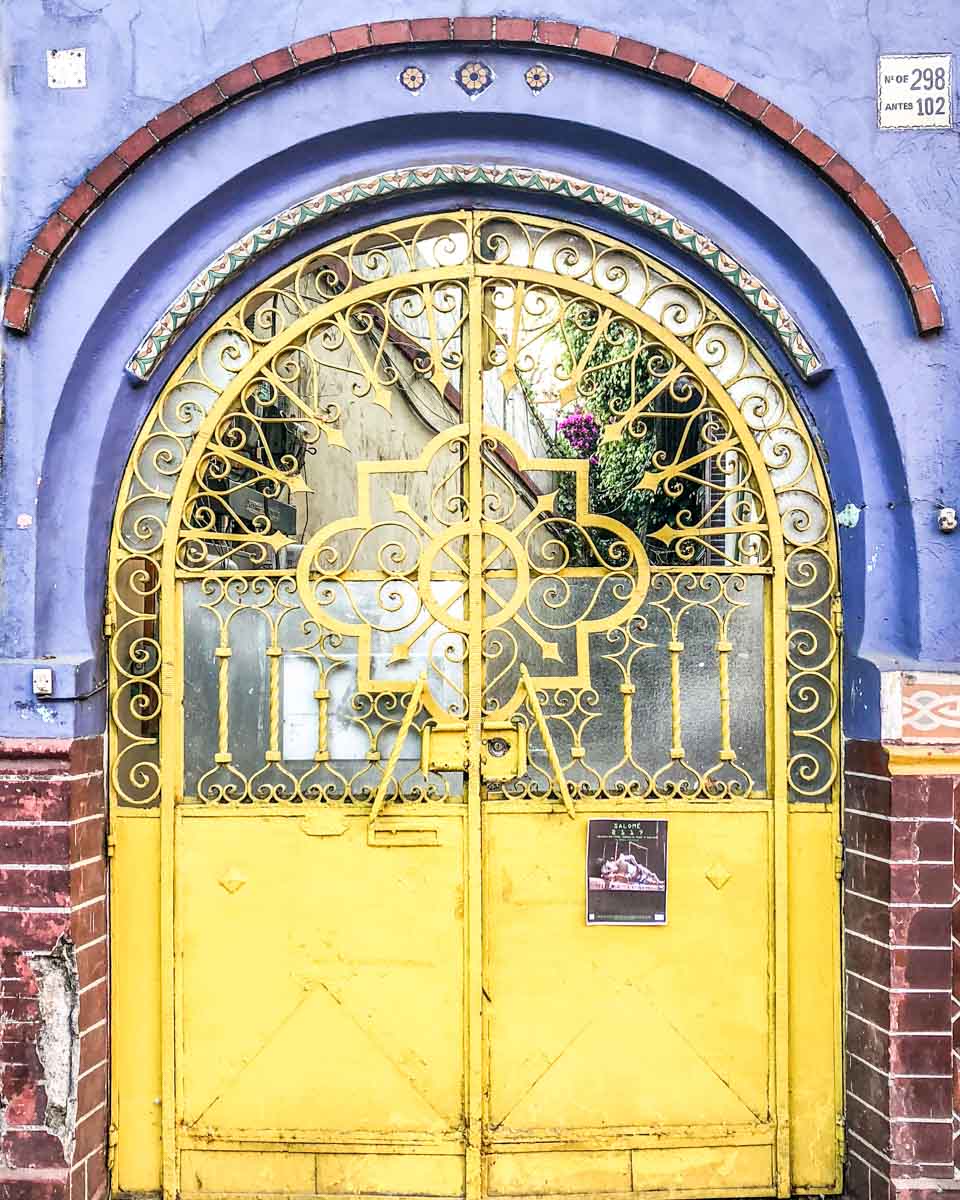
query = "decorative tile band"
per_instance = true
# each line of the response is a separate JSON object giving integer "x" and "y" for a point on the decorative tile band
{"x": 198, "y": 293}
{"x": 920, "y": 707}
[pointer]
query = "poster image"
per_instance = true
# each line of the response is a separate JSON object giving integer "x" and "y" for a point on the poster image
{"x": 626, "y": 872}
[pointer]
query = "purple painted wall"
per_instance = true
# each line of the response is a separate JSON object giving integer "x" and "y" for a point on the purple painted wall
{"x": 71, "y": 414}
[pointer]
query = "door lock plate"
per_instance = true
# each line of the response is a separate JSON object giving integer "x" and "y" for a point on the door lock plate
{"x": 443, "y": 747}
{"x": 503, "y": 749}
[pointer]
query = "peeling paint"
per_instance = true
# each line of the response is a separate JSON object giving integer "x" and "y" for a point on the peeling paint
{"x": 849, "y": 516}
{"x": 27, "y": 712}
{"x": 58, "y": 1042}
{"x": 46, "y": 1101}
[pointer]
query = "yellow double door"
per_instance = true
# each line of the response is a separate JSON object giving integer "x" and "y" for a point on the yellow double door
{"x": 331, "y": 981}
{"x": 427, "y": 1012}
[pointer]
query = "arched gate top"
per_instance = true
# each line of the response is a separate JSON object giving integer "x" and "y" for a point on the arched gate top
{"x": 449, "y": 313}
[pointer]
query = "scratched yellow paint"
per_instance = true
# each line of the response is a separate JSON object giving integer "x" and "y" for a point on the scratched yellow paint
{"x": 244, "y": 1171}
{"x": 137, "y": 1086}
{"x": 815, "y": 1018}
{"x": 546, "y": 1172}
{"x": 320, "y": 990}
{"x": 406, "y": 1174}
{"x": 706, "y": 1168}
{"x": 639, "y": 1027}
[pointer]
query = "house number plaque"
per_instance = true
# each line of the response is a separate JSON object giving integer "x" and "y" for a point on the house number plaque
{"x": 915, "y": 91}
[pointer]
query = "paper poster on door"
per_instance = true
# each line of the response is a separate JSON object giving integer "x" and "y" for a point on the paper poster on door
{"x": 626, "y": 872}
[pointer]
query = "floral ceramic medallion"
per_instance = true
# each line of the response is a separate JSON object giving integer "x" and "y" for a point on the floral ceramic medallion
{"x": 474, "y": 77}
{"x": 537, "y": 77}
{"x": 413, "y": 78}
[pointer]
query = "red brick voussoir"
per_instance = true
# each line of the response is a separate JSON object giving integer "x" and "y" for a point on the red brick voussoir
{"x": 561, "y": 37}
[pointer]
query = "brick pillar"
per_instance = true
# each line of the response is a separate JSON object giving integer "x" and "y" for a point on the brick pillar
{"x": 54, "y": 1112}
{"x": 955, "y": 991}
{"x": 902, "y": 804}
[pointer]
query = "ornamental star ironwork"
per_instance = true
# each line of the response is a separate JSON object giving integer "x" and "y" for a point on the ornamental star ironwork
{"x": 396, "y": 576}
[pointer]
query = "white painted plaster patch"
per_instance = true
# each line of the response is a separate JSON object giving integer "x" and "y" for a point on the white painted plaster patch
{"x": 891, "y": 705}
{"x": 67, "y": 68}
{"x": 849, "y": 516}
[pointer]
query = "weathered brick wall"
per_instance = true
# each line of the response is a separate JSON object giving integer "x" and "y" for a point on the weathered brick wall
{"x": 899, "y": 885}
{"x": 955, "y": 996}
{"x": 53, "y": 971}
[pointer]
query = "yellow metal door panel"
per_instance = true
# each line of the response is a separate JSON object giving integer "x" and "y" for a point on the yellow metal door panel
{"x": 135, "y": 950}
{"x": 324, "y": 978}
{"x": 647, "y": 1026}
{"x": 393, "y": 1174}
{"x": 703, "y": 1168}
{"x": 246, "y": 1171}
{"x": 562, "y": 1173}
{"x": 815, "y": 1081}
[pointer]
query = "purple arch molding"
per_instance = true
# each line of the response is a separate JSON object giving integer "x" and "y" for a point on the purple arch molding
{"x": 264, "y": 237}
{"x": 559, "y": 37}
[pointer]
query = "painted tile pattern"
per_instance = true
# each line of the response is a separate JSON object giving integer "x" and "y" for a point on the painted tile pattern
{"x": 932, "y": 712}
{"x": 537, "y": 77}
{"x": 920, "y": 707}
{"x": 474, "y": 77}
{"x": 413, "y": 78}
{"x": 198, "y": 293}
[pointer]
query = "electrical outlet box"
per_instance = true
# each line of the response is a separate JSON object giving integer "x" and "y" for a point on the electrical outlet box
{"x": 42, "y": 681}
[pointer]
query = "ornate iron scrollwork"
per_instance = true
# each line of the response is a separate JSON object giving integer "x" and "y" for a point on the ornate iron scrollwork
{"x": 510, "y": 461}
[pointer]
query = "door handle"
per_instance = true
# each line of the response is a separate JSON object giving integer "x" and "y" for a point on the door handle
{"x": 561, "y": 780}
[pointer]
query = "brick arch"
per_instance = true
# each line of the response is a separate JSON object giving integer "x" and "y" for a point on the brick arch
{"x": 383, "y": 36}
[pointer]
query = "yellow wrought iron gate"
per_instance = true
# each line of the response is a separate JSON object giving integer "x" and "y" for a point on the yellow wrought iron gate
{"x": 474, "y": 631}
